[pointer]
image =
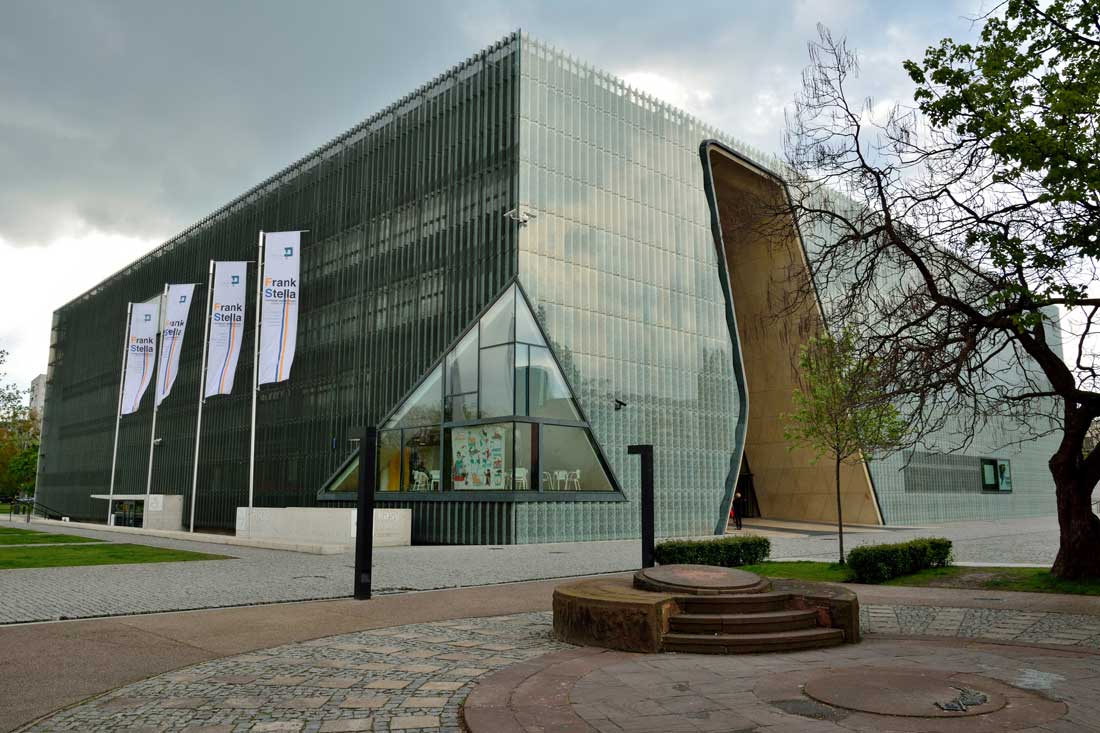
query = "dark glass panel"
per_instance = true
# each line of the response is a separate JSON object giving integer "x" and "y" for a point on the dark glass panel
{"x": 547, "y": 392}
{"x": 568, "y": 461}
{"x": 498, "y": 326}
{"x": 526, "y": 329}
{"x": 495, "y": 398}
{"x": 424, "y": 407}
{"x": 462, "y": 365}
{"x": 521, "y": 379}
{"x": 421, "y": 459}
{"x": 389, "y": 460}
{"x": 461, "y": 407}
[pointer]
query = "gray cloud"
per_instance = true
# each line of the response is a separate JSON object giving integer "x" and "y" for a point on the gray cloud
{"x": 138, "y": 118}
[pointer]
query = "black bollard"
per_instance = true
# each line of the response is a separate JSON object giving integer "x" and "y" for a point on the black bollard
{"x": 646, "y": 454}
{"x": 364, "y": 520}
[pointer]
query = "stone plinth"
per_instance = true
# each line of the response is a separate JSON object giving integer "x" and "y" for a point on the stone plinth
{"x": 699, "y": 580}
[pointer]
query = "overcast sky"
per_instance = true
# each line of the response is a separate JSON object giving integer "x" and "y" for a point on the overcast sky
{"x": 121, "y": 123}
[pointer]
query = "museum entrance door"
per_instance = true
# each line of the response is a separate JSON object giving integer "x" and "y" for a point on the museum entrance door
{"x": 749, "y": 506}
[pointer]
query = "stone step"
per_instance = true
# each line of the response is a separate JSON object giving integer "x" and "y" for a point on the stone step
{"x": 747, "y": 603}
{"x": 743, "y": 623}
{"x": 779, "y": 641}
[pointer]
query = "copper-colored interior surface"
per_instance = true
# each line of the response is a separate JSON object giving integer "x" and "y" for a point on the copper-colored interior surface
{"x": 766, "y": 264}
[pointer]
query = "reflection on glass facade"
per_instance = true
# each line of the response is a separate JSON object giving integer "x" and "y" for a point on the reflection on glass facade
{"x": 407, "y": 242}
{"x": 620, "y": 266}
{"x": 542, "y": 444}
{"x": 521, "y": 165}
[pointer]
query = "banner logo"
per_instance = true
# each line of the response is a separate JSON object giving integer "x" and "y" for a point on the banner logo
{"x": 279, "y": 306}
{"x": 223, "y": 348}
{"x": 171, "y": 339}
{"x": 140, "y": 356}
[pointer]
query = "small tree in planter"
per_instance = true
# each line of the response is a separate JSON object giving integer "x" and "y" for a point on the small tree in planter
{"x": 841, "y": 410}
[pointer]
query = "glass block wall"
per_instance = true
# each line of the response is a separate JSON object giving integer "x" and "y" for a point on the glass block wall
{"x": 407, "y": 242}
{"x": 618, "y": 260}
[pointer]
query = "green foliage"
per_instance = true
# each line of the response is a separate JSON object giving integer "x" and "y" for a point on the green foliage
{"x": 18, "y": 439}
{"x": 841, "y": 411}
{"x": 879, "y": 563}
{"x": 1030, "y": 90}
{"x": 729, "y": 552}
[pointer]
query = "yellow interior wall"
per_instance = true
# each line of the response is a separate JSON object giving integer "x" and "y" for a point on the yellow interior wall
{"x": 765, "y": 261}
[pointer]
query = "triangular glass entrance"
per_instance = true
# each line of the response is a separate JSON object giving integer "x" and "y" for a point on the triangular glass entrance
{"x": 494, "y": 414}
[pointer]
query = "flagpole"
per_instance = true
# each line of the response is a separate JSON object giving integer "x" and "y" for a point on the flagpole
{"x": 157, "y": 343}
{"x": 202, "y": 391}
{"x": 255, "y": 371}
{"x": 118, "y": 414}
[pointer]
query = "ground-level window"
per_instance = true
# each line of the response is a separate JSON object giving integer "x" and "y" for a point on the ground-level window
{"x": 996, "y": 474}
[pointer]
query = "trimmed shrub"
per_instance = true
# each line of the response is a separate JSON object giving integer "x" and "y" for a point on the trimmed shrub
{"x": 729, "y": 552}
{"x": 879, "y": 563}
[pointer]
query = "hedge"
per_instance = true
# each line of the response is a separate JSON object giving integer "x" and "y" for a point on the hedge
{"x": 879, "y": 563}
{"x": 728, "y": 552}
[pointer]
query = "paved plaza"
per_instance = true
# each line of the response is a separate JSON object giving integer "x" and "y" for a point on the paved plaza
{"x": 417, "y": 677}
{"x": 270, "y": 576}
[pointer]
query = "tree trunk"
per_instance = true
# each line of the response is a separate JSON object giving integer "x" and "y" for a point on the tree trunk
{"x": 839, "y": 515}
{"x": 1079, "y": 543}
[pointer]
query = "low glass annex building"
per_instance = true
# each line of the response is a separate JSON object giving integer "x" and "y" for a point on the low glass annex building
{"x": 514, "y": 272}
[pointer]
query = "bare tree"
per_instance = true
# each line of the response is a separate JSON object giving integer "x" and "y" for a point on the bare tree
{"x": 948, "y": 235}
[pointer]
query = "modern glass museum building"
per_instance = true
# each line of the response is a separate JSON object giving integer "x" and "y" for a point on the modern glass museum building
{"x": 514, "y": 272}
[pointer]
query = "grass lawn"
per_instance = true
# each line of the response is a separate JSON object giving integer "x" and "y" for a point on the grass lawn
{"x": 96, "y": 554}
{"x": 1030, "y": 580}
{"x": 829, "y": 572}
{"x": 15, "y": 536}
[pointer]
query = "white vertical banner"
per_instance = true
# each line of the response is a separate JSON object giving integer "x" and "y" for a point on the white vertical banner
{"x": 140, "y": 354}
{"x": 226, "y": 326}
{"x": 279, "y": 309}
{"x": 177, "y": 303}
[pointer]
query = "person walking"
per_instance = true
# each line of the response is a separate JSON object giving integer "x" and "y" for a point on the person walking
{"x": 736, "y": 509}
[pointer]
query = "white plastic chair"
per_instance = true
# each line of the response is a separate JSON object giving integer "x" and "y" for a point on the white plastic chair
{"x": 521, "y": 479}
{"x": 548, "y": 482}
{"x": 420, "y": 481}
{"x": 561, "y": 480}
{"x": 573, "y": 481}
{"x": 435, "y": 481}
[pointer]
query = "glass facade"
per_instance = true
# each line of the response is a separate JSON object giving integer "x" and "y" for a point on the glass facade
{"x": 407, "y": 242}
{"x": 512, "y": 272}
{"x": 519, "y": 431}
{"x": 620, "y": 267}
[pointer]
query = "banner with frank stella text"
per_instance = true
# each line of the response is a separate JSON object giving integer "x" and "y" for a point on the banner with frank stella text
{"x": 279, "y": 313}
{"x": 140, "y": 354}
{"x": 226, "y": 327}
{"x": 177, "y": 302}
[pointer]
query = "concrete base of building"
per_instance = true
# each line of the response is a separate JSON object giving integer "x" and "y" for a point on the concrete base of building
{"x": 392, "y": 527}
{"x": 313, "y": 548}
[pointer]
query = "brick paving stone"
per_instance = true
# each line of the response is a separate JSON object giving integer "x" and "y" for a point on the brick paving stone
{"x": 410, "y": 722}
{"x": 341, "y": 726}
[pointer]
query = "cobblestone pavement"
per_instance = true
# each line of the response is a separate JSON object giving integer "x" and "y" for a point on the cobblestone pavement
{"x": 416, "y": 677}
{"x": 266, "y": 576}
{"x": 405, "y": 678}
{"x": 994, "y": 624}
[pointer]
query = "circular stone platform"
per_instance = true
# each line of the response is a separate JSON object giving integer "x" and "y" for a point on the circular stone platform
{"x": 908, "y": 693}
{"x": 699, "y": 580}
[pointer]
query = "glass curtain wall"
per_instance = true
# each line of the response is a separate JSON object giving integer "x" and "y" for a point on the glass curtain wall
{"x": 496, "y": 414}
{"x": 408, "y": 242}
{"x": 619, "y": 263}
